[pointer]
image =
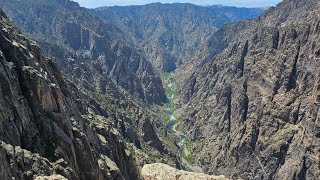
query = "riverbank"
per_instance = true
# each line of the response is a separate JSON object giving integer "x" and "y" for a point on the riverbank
{"x": 185, "y": 152}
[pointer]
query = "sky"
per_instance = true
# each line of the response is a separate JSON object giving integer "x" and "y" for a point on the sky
{"x": 238, "y": 3}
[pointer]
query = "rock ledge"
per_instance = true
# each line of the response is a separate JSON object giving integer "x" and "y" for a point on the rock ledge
{"x": 161, "y": 171}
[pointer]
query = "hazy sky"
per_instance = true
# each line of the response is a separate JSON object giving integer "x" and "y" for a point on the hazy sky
{"x": 239, "y": 3}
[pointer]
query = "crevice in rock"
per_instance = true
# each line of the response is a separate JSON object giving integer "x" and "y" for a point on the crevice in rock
{"x": 245, "y": 102}
{"x": 303, "y": 172}
{"x": 296, "y": 115}
{"x": 254, "y": 136}
{"x": 192, "y": 85}
{"x": 243, "y": 55}
{"x": 275, "y": 40}
{"x": 317, "y": 27}
{"x": 293, "y": 75}
{"x": 229, "y": 108}
{"x": 281, "y": 155}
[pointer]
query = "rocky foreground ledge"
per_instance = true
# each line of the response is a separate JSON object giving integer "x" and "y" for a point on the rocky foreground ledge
{"x": 164, "y": 172}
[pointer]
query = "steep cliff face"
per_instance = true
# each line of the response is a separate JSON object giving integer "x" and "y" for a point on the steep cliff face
{"x": 48, "y": 128}
{"x": 252, "y": 109}
{"x": 44, "y": 125}
{"x": 88, "y": 48}
{"x": 249, "y": 100}
{"x": 170, "y": 33}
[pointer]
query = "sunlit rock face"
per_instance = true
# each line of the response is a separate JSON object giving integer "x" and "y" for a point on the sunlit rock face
{"x": 252, "y": 107}
{"x": 160, "y": 171}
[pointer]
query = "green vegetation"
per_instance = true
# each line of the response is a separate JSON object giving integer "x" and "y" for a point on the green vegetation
{"x": 186, "y": 151}
{"x": 153, "y": 158}
{"x": 187, "y": 154}
{"x": 176, "y": 123}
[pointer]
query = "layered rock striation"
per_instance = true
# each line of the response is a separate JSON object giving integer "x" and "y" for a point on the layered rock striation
{"x": 252, "y": 108}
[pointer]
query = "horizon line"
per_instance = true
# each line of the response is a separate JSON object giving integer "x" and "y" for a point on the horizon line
{"x": 202, "y": 5}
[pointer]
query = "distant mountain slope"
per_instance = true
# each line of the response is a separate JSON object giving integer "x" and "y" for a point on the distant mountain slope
{"x": 170, "y": 33}
{"x": 235, "y": 14}
{"x": 253, "y": 107}
{"x": 88, "y": 49}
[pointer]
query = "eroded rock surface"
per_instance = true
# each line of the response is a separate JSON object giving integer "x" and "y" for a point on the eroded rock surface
{"x": 164, "y": 172}
{"x": 252, "y": 107}
{"x": 49, "y": 128}
{"x": 92, "y": 52}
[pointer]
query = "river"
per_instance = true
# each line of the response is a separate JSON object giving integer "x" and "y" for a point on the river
{"x": 172, "y": 124}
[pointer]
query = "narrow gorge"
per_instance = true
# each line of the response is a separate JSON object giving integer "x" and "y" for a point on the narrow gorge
{"x": 167, "y": 91}
{"x": 182, "y": 143}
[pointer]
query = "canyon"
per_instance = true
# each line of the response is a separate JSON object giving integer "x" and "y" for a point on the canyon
{"x": 159, "y": 91}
